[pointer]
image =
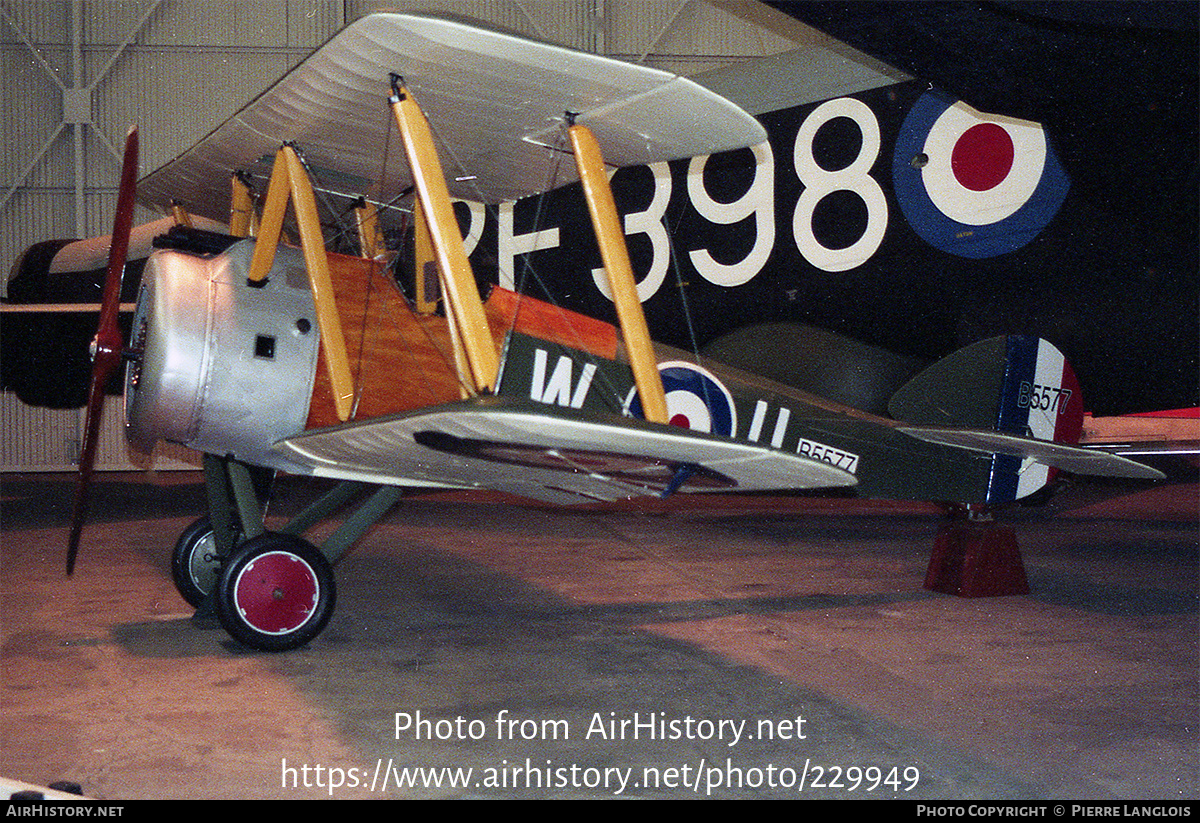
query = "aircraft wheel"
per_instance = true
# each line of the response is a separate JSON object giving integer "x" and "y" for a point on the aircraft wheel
{"x": 275, "y": 593}
{"x": 195, "y": 563}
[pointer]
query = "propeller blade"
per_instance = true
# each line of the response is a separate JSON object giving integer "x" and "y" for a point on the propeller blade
{"x": 106, "y": 346}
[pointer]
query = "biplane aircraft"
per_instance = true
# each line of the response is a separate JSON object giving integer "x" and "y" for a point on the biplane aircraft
{"x": 267, "y": 356}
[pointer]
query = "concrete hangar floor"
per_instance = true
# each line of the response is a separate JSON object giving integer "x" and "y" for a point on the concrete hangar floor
{"x": 740, "y": 648}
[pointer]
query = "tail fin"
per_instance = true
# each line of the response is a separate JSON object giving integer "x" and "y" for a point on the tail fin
{"x": 1014, "y": 385}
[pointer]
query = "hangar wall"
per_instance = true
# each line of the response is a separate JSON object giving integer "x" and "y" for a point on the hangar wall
{"x": 77, "y": 73}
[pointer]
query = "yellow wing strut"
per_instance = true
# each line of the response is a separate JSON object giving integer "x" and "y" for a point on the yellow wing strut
{"x": 367, "y": 219}
{"x": 243, "y": 222}
{"x": 180, "y": 213}
{"x": 461, "y": 294}
{"x": 289, "y": 178}
{"x": 427, "y": 292}
{"x": 241, "y": 206}
{"x": 615, "y": 255}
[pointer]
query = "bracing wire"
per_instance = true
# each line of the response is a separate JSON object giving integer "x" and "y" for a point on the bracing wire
{"x": 529, "y": 274}
{"x": 341, "y": 230}
{"x": 447, "y": 358}
{"x": 528, "y": 271}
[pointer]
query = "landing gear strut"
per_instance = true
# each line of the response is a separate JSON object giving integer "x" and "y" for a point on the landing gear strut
{"x": 272, "y": 591}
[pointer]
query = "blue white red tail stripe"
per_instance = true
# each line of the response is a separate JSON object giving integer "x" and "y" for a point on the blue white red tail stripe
{"x": 1039, "y": 398}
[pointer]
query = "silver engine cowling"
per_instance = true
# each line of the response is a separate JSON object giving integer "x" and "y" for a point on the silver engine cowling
{"x": 225, "y": 367}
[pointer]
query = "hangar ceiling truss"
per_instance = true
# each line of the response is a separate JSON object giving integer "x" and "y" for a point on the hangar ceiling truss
{"x": 76, "y": 102}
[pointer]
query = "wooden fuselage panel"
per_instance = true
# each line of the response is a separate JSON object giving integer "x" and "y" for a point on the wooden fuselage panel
{"x": 402, "y": 361}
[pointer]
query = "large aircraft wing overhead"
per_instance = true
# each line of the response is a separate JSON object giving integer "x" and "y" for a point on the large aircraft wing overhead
{"x": 495, "y": 101}
{"x": 550, "y": 453}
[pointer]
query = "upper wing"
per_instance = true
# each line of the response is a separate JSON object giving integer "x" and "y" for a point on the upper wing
{"x": 563, "y": 455}
{"x": 494, "y": 101}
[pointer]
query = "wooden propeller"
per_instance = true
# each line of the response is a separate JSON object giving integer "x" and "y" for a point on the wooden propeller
{"x": 107, "y": 344}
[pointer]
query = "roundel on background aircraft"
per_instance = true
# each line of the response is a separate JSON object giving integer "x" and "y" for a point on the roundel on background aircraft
{"x": 695, "y": 399}
{"x": 975, "y": 184}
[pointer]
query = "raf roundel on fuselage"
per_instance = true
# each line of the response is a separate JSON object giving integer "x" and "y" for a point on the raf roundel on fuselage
{"x": 973, "y": 184}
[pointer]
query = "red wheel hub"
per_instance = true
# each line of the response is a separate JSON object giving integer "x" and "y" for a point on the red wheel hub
{"x": 277, "y": 592}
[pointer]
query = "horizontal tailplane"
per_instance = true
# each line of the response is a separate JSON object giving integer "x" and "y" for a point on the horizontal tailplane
{"x": 1016, "y": 397}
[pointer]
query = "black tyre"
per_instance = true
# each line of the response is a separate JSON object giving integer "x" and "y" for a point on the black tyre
{"x": 275, "y": 593}
{"x": 196, "y": 562}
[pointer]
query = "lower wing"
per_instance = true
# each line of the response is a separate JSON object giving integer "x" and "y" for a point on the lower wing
{"x": 550, "y": 453}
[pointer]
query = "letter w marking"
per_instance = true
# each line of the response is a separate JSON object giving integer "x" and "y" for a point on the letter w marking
{"x": 557, "y": 389}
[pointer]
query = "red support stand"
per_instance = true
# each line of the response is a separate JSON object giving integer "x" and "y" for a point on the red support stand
{"x": 976, "y": 558}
